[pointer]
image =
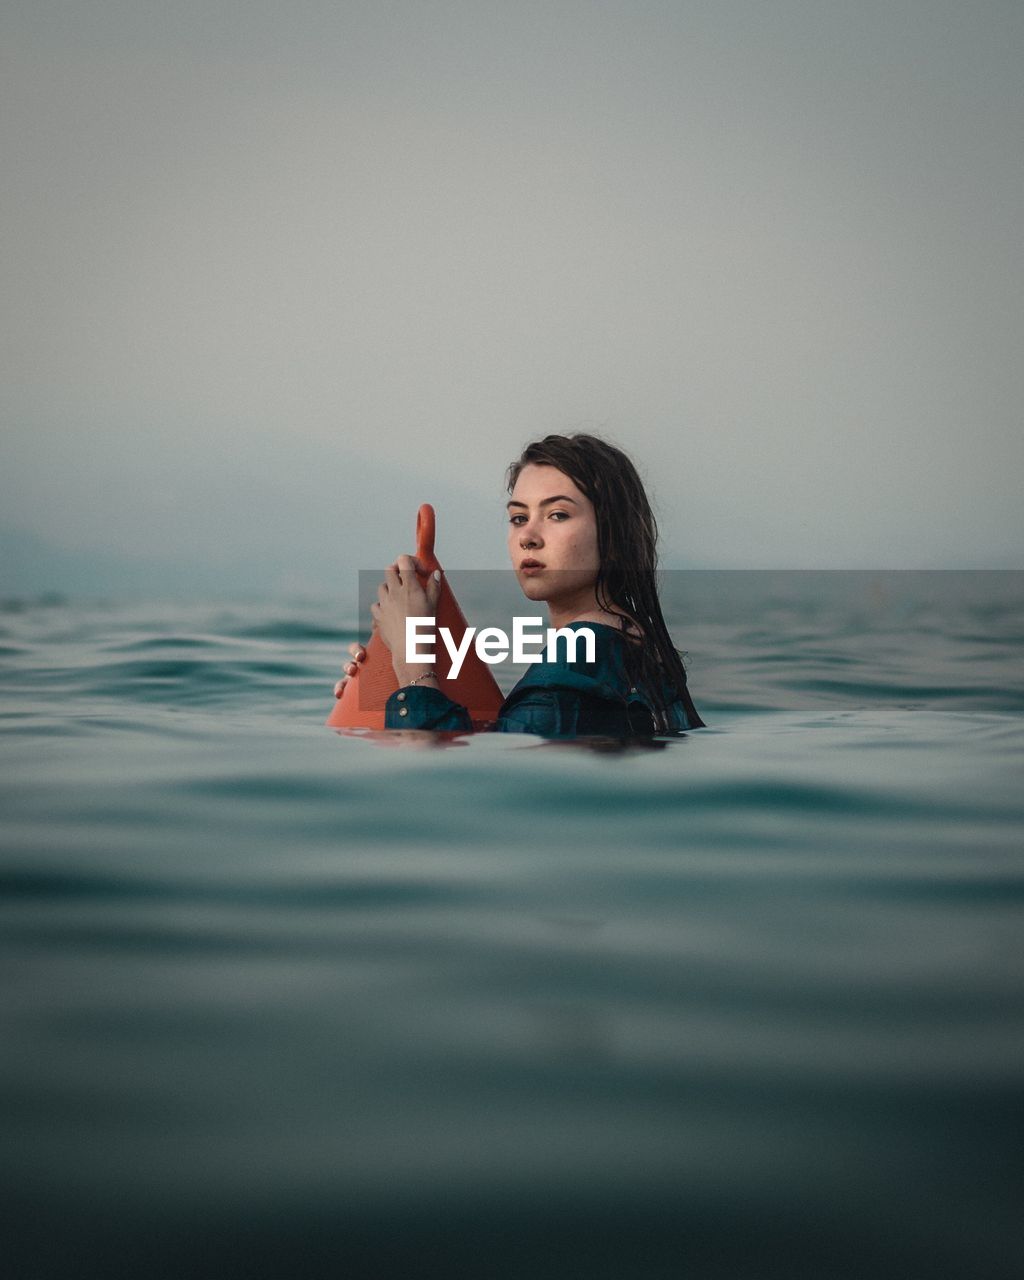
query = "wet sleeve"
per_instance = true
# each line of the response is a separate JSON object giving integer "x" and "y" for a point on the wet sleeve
{"x": 547, "y": 712}
{"x": 540, "y": 711}
{"x": 420, "y": 707}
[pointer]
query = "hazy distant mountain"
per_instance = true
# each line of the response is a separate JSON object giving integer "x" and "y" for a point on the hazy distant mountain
{"x": 307, "y": 533}
{"x": 31, "y": 567}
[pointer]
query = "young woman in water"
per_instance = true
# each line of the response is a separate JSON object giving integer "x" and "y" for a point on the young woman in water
{"x": 582, "y": 538}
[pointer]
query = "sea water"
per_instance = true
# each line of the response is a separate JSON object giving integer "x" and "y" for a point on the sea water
{"x": 744, "y": 1003}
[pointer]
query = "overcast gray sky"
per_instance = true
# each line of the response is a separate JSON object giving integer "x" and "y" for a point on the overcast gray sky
{"x": 275, "y": 274}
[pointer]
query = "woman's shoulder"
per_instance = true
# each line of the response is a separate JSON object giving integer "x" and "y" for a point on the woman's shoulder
{"x": 633, "y": 632}
{"x": 607, "y": 678}
{"x": 613, "y": 621}
{"x": 600, "y": 673}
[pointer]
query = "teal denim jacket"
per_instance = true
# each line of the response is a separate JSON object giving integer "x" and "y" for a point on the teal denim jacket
{"x": 555, "y": 699}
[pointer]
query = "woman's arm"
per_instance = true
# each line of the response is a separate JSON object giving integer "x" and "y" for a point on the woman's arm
{"x": 549, "y": 713}
{"x": 420, "y": 706}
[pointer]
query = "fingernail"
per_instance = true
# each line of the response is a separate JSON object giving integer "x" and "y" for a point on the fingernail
{"x": 437, "y": 575}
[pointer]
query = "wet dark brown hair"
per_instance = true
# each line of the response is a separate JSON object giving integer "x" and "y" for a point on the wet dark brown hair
{"x": 627, "y": 538}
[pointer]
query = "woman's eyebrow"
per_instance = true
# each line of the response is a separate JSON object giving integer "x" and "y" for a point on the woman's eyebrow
{"x": 560, "y": 497}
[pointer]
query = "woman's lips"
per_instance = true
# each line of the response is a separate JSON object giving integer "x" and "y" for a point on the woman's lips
{"x": 531, "y": 566}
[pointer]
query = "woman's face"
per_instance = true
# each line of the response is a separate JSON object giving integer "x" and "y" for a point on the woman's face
{"x": 552, "y": 522}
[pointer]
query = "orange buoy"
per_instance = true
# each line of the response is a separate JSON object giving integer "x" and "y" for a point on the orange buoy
{"x": 361, "y": 705}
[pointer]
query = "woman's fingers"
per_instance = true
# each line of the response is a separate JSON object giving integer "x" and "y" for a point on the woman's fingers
{"x": 351, "y": 668}
{"x": 397, "y": 572}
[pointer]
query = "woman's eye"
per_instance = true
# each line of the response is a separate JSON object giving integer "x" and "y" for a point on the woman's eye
{"x": 515, "y": 519}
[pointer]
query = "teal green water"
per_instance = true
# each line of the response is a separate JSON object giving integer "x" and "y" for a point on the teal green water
{"x": 742, "y": 1004}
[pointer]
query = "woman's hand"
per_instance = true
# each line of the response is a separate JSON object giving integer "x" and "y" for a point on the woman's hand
{"x": 358, "y": 653}
{"x": 399, "y": 597}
